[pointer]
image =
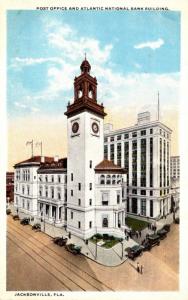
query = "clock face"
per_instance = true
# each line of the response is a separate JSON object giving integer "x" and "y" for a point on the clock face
{"x": 75, "y": 127}
{"x": 95, "y": 127}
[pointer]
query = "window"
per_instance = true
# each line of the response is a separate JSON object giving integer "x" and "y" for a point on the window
{"x": 46, "y": 178}
{"x": 134, "y": 134}
{"x": 46, "y": 191}
{"x": 90, "y": 164}
{"x": 118, "y": 137}
{"x": 143, "y": 132}
{"x": 108, "y": 179}
{"x": 59, "y": 178}
{"x": 134, "y": 191}
{"x": 71, "y": 176}
{"x": 105, "y": 139}
{"x": 79, "y": 202}
{"x": 151, "y": 130}
{"x": 65, "y": 178}
{"x": 79, "y": 186}
{"x": 102, "y": 179}
{"x": 71, "y": 214}
{"x": 59, "y": 194}
{"x": 105, "y": 151}
{"x": 119, "y": 154}
{"x": 90, "y": 186}
{"x": 104, "y": 198}
{"x": 112, "y": 152}
{"x": 113, "y": 179}
{"x": 118, "y": 198}
{"x": 27, "y": 205}
{"x": 23, "y": 189}
{"x": 151, "y": 193}
{"x": 71, "y": 192}
{"x": 90, "y": 201}
{"x": 52, "y": 192}
{"x": 90, "y": 224}
{"x": 105, "y": 222}
{"x": 40, "y": 178}
{"x": 28, "y": 190}
{"x": 126, "y": 136}
{"x": 79, "y": 224}
{"x": 52, "y": 178}
{"x": 151, "y": 208}
{"x": 143, "y": 207}
{"x": 143, "y": 192}
{"x": 111, "y": 139}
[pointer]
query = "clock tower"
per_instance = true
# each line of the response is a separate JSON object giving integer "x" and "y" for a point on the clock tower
{"x": 85, "y": 150}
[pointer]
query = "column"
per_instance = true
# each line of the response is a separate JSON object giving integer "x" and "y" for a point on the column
{"x": 138, "y": 206}
{"x": 50, "y": 212}
{"x": 138, "y": 161}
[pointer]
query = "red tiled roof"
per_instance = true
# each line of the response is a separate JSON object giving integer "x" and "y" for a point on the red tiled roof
{"x": 60, "y": 164}
{"x": 35, "y": 159}
{"x": 108, "y": 165}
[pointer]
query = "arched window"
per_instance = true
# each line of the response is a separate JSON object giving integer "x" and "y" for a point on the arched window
{"x": 102, "y": 179}
{"x": 108, "y": 179}
{"x": 113, "y": 179}
{"x": 118, "y": 179}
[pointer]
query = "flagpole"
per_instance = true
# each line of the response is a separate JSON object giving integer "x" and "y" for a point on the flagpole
{"x": 32, "y": 147}
{"x": 158, "y": 107}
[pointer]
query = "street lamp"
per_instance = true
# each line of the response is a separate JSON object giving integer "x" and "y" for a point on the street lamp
{"x": 43, "y": 218}
{"x": 122, "y": 249}
{"x": 96, "y": 240}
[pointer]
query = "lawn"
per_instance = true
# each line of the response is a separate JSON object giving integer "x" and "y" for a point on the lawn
{"x": 136, "y": 224}
{"x": 109, "y": 241}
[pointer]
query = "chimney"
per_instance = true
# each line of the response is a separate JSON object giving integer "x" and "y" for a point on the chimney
{"x": 56, "y": 158}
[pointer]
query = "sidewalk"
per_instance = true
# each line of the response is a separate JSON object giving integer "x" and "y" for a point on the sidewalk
{"x": 108, "y": 257}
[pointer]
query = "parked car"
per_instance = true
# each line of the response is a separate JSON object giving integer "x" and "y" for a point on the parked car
{"x": 146, "y": 245}
{"x": 8, "y": 211}
{"x": 134, "y": 251}
{"x": 25, "y": 221}
{"x": 73, "y": 248}
{"x": 36, "y": 227}
{"x": 61, "y": 241}
{"x": 154, "y": 239}
{"x": 162, "y": 233}
{"x": 166, "y": 227}
{"x": 15, "y": 217}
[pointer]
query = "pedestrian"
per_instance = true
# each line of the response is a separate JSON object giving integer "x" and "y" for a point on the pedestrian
{"x": 141, "y": 269}
{"x": 138, "y": 267}
{"x": 140, "y": 233}
{"x": 127, "y": 237}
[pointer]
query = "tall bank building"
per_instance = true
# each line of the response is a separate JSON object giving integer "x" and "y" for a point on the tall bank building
{"x": 144, "y": 151}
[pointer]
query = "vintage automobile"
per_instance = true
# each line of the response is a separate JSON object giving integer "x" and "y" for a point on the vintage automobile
{"x": 146, "y": 245}
{"x": 15, "y": 217}
{"x": 134, "y": 251}
{"x": 154, "y": 239}
{"x": 166, "y": 227}
{"x": 162, "y": 233}
{"x": 36, "y": 227}
{"x": 73, "y": 248}
{"x": 25, "y": 221}
{"x": 60, "y": 241}
{"x": 8, "y": 211}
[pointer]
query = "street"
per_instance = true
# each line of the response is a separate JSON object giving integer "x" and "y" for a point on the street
{"x": 34, "y": 262}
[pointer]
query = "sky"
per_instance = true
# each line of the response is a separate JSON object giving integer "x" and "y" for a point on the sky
{"x": 132, "y": 54}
